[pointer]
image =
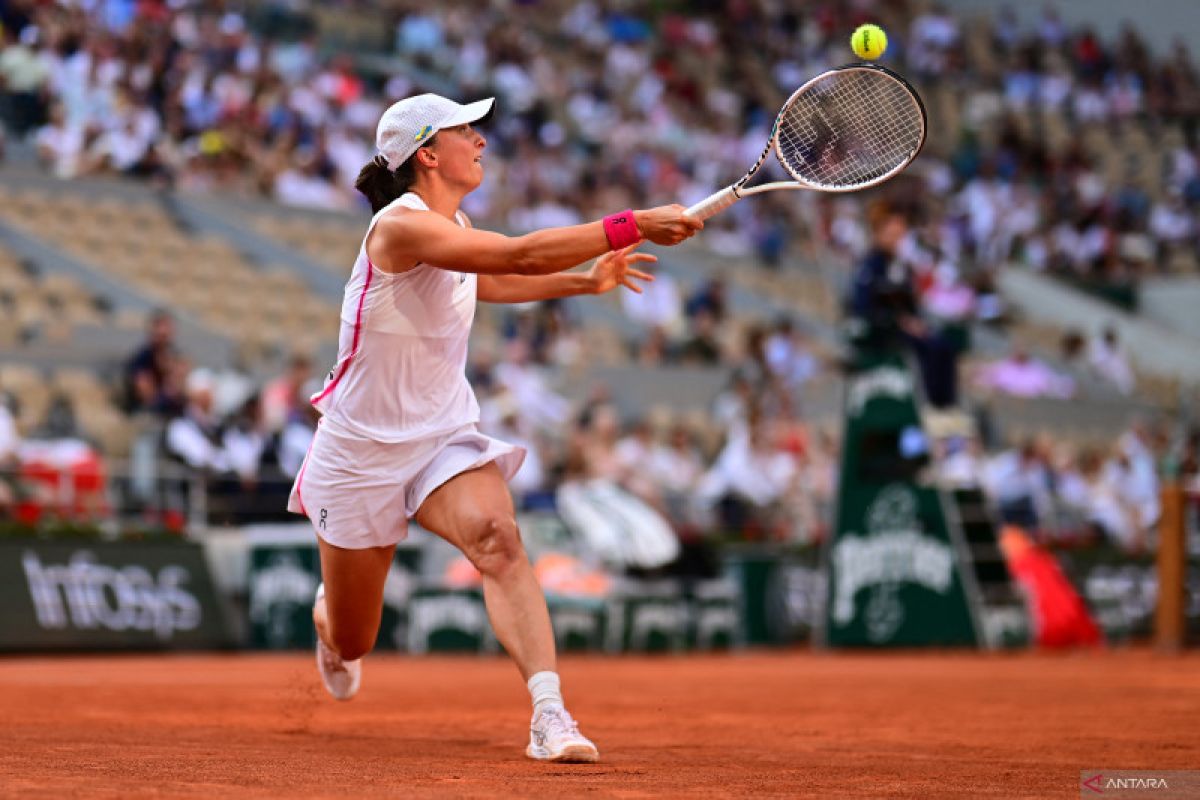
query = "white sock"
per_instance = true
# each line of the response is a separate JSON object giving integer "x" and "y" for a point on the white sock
{"x": 544, "y": 688}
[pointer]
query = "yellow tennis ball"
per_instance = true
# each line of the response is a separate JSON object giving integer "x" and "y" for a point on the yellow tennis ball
{"x": 868, "y": 42}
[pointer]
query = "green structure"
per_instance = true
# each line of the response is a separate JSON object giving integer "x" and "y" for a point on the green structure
{"x": 284, "y": 573}
{"x": 909, "y": 563}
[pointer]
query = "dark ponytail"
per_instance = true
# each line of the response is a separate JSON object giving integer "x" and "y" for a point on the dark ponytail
{"x": 381, "y": 186}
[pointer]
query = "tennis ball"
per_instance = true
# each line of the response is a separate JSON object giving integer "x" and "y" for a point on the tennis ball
{"x": 868, "y": 42}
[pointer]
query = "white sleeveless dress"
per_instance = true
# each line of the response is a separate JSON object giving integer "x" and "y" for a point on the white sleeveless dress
{"x": 399, "y": 417}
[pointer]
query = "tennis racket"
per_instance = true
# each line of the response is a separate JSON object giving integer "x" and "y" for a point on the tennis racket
{"x": 846, "y": 129}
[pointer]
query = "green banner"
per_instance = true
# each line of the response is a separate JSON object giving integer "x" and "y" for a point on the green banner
{"x": 443, "y": 619}
{"x": 107, "y": 596}
{"x": 283, "y": 581}
{"x": 1121, "y": 590}
{"x": 781, "y": 592}
{"x": 894, "y": 576}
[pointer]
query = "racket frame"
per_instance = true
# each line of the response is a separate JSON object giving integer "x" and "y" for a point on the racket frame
{"x": 723, "y": 198}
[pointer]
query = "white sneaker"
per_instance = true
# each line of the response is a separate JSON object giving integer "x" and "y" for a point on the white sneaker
{"x": 341, "y": 678}
{"x": 554, "y": 736}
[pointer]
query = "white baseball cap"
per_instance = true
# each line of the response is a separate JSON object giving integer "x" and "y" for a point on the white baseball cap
{"x": 408, "y": 124}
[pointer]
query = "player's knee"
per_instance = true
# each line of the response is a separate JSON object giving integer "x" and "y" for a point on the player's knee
{"x": 496, "y": 546}
{"x": 352, "y": 644}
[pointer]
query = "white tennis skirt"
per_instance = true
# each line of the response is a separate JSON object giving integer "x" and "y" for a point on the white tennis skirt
{"x": 360, "y": 493}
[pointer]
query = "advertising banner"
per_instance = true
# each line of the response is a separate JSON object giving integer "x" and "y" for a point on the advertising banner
{"x": 283, "y": 580}
{"x": 107, "y": 596}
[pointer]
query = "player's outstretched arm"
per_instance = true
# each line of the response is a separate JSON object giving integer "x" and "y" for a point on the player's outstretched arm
{"x": 611, "y": 270}
{"x": 405, "y": 238}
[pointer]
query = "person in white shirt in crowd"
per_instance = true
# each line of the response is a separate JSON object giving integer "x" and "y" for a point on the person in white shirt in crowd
{"x": 677, "y": 467}
{"x": 541, "y": 407}
{"x": 1171, "y": 221}
{"x": 749, "y": 478}
{"x": 121, "y": 148}
{"x": 1096, "y": 496}
{"x": 302, "y": 184}
{"x": 1136, "y": 491}
{"x": 60, "y": 146}
{"x": 1020, "y": 375}
{"x": 1018, "y": 481}
{"x": 633, "y": 454}
{"x": 195, "y": 436}
{"x": 1107, "y": 358}
{"x": 244, "y": 440}
{"x": 787, "y": 356}
{"x": 961, "y": 461}
{"x": 296, "y": 436}
{"x": 1138, "y": 482}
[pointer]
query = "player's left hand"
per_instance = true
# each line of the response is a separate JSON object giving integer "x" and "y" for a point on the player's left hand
{"x": 616, "y": 269}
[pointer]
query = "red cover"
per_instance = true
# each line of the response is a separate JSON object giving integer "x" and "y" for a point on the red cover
{"x": 1060, "y": 617}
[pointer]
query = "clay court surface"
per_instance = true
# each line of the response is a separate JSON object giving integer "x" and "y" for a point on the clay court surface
{"x": 777, "y": 724}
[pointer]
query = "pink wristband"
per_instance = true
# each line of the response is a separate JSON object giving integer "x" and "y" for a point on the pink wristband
{"x": 621, "y": 229}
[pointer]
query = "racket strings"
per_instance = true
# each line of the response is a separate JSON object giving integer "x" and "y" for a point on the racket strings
{"x": 849, "y": 129}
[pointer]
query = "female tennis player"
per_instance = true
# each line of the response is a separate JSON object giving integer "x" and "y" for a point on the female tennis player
{"x": 399, "y": 438}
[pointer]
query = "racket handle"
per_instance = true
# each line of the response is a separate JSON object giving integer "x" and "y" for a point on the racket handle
{"x": 717, "y": 201}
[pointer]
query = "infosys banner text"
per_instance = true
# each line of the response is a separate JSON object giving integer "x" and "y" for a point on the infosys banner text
{"x": 107, "y": 596}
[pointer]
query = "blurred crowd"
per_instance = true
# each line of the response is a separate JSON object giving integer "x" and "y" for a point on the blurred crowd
{"x": 636, "y": 487}
{"x": 609, "y": 105}
{"x": 746, "y": 466}
{"x": 1079, "y": 493}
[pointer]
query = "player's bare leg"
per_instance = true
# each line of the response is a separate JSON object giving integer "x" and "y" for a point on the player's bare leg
{"x": 474, "y": 512}
{"x": 347, "y": 612}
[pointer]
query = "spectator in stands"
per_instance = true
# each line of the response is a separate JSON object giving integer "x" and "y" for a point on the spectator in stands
{"x": 786, "y": 355}
{"x": 540, "y": 405}
{"x": 733, "y": 405}
{"x": 24, "y": 80}
{"x": 194, "y": 437}
{"x": 633, "y": 454}
{"x": 245, "y": 442}
{"x": 1107, "y": 358}
{"x": 749, "y": 480}
{"x": 1020, "y": 375}
{"x": 1097, "y": 500}
{"x": 298, "y": 430}
{"x": 1019, "y": 483}
{"x": 281, "y": 397}
{"x": 10, "y": 443}
{"x": 701, "y": 347}
{"x": 1135, "y": 492}
{"x": 676, "y": 467}
{"x": 710, "y": 298}
{"x": 60, "y": 146}
{"x": 960, "y": 461}
{"x": 949, "y": 298}
{"x": 59, "y": 421}
{"x": 148, "y": 374}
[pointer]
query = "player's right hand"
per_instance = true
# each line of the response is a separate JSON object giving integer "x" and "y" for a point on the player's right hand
{"x": 667, "y": 224}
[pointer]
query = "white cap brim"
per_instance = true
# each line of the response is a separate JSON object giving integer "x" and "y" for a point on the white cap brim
{"x": 471, "y": 113}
